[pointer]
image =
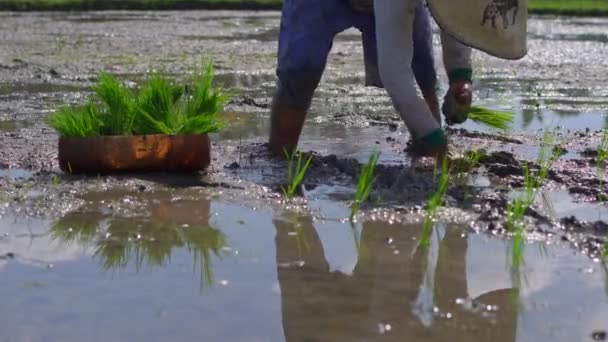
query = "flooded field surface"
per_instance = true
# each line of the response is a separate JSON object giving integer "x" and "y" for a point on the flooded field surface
{"x": 224, "y": 256}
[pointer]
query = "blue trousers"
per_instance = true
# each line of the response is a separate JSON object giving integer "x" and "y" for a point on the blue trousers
{"x": 307, "y": 31}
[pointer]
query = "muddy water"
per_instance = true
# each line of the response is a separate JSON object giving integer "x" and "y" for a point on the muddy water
{"x": 223, "y": 257}
{"x": 192, "y": 269}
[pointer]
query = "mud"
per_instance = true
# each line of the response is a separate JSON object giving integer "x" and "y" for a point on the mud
{"x": 176, "y": 248}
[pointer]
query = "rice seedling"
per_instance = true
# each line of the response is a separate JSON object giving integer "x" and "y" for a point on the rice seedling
{"x": 160, "y": 107}
{"x": 169, "y": 109}
{"x": 491, "y": 118}
{"x": 77, "y": 122}
{"x": 295, "y": 176}
{"x": 468, "y": 162}
{"x": 364, "y": 184}
{"x": 533, "y": 181}
{"x": 435, "y": 201}
{"x": 600, "y": 163}
{"x": 117, "y": 106}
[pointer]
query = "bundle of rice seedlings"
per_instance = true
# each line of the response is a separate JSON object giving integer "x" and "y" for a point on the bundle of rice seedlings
{"x": 160, "y": 107}
{"x": 491, "y": 118}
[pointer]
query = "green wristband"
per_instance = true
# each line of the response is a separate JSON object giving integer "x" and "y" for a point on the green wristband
{"x": 437, "y": 137}
{"x": 460, "y": 74}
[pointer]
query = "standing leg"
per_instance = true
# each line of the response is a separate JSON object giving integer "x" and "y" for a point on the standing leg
{"x": 307, "y": 31}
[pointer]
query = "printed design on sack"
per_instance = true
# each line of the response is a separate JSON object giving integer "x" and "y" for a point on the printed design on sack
{"x": 502, "y": 9}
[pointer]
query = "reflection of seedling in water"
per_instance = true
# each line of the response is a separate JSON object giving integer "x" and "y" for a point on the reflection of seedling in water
{"x": 364, "y": 183}
{"x": 151, "y": 244}
{"x": 602, "y": 156}
{"x": 491, "y": 118}
{"x": 435, "y": 202}
{"x": 295, "y": 177}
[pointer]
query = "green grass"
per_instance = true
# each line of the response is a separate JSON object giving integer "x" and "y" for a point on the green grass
{"x": 494, "y": 119}
{"x": 295, "y": 173}
{"x": 569, "y": 7}
{"x": 364, "y": 184}
{"x": 565, "y": 7}
{"x": 160, "y": 107}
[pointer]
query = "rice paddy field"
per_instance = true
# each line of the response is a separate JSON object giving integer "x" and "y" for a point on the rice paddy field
{"x": 563, "y": 7}
{"x": 352, "y": 239}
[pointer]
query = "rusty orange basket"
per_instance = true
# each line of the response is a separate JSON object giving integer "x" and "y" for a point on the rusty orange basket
{"x": 138, "y": 153}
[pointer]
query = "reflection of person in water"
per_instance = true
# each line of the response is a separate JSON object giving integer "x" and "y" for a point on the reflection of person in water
{"x": 319, "y": 305}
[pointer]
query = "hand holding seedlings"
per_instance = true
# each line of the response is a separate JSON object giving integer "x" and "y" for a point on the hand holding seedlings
{"x": 493, "y": 119}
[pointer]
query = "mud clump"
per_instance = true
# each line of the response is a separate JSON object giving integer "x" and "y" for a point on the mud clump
{"x": 597, "y": 227}
{"x": 249, "y": 101}
{"x": 599, "y": 335}
{"x": 502, "y": 164}
{"x": 478, "y": 135}
{"x": 7, "y": 256}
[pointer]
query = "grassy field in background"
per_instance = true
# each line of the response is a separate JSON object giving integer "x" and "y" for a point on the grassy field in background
{"x": 569, "y": 7}
{"x": 564, "y": 7}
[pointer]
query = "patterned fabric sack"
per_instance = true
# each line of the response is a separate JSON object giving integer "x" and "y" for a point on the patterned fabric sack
{"x": 498, "y": 27}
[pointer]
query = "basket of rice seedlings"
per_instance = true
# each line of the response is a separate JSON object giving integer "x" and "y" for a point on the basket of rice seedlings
{"x": 160, "y": 127}
{"x": 490, "y": 118}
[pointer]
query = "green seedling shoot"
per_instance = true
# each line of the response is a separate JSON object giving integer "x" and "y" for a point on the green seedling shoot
{"x": 364, "y": 184}
{"x": 434, "y": 203}
{"x": 295, "y": 177}
{"x": 494, "y": 119}
{"x": 469, "y": 162}
{"x": 602, "y": 156}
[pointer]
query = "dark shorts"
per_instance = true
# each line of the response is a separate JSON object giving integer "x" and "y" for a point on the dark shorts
{"x": 308, "y": 28}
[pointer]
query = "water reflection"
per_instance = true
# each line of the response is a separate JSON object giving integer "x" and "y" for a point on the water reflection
{"x": 391, "y": 291}
{"x": 119, "y": 242}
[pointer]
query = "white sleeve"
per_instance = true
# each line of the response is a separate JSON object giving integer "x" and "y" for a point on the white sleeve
{"x": 394, "y": 35}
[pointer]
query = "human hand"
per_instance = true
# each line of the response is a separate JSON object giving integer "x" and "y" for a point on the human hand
{"x": 457, "y": 102}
